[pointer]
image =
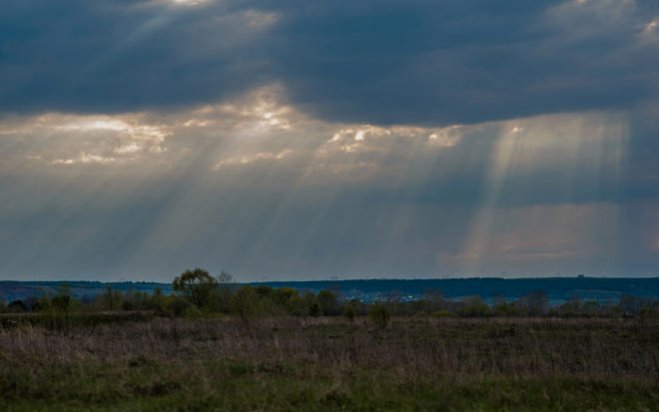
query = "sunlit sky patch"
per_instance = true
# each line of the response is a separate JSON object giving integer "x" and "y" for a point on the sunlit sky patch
{"x": 308, "y": 140}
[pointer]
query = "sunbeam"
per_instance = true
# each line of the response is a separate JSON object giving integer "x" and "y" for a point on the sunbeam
{"x": 582, "y": 157}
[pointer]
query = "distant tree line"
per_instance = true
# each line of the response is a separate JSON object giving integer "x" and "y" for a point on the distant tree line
{"x": 198, "y": 294}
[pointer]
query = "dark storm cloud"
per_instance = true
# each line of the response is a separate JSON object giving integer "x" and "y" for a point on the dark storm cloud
{"x": 109, "y": 56}
{"x": 465, "y": 61}
{"x": 414, "y": 62}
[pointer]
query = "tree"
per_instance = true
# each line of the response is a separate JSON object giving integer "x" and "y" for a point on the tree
{"x": 111, "y": 298}
{"x": 198, "y": 287}
{"x": 225, "y": 278}
{"x": 226, "y": 283}
{"x": 157, "y": 301}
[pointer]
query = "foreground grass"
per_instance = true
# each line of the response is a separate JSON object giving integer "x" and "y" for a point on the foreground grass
{"x": 329, "y": 364}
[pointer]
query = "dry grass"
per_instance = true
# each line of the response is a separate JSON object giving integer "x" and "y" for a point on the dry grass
{"x": 414, "y": 355}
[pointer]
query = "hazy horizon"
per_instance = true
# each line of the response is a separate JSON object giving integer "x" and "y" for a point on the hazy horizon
{"x": 309, "y": 140}
{"x": 302, "y": 278}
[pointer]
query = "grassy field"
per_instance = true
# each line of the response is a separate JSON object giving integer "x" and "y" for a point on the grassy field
{"x": 332, "y": 364}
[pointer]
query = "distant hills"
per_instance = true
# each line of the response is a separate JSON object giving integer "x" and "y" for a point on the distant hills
{"x": 557, "y": 289}
{"x": 12, "y": 290}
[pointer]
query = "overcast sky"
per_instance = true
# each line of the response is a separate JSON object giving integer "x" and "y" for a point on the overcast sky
{"x": 297, "y": 139}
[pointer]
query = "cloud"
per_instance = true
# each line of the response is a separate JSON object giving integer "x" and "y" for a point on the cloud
{"x": 553, "y": 159}
{"x": 309, "y": 139}
{"x": 468, "y": 61}
{"x": 254, "y": 185}
{"x": 384, "y": 62}
{"x": 109, "y": 56}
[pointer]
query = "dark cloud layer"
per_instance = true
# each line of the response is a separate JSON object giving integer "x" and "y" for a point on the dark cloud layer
{"x": 413, "y": 62}
{"x": 464, "y": 61}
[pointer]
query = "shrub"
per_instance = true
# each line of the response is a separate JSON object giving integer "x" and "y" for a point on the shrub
{"x": 284, "y": 296}
{"x": 649, "y": 312}
{"x": 62, "y": 301}
{"x": 380, "y": 315}
{"x": 17, "y": 306}
{"x": 535, "y": 303}
{"x": 264, "y": 291}
{"x": 297, "y": 306}
{"x": 328, "y": 303}
{"x": 505, "y": 309}
{"x": 246, "y": 303}
{"x": 127, "y": 304}
{"x": 157, "y": 301}
{"x": 474, "y": 307}
{"x": 176, "y": 306}
{"x": 43, "y": 305}
{"x": 443, "y": 314}
{"x": 193, "y": 312}
{"x": 313, "y": 307}
{"x": 349, "y": 312}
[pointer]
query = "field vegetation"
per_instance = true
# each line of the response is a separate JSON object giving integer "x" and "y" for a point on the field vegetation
{"x": 217, "y": 345}
{"x": 323, "y": 363}
{"x": 200, "y": 295}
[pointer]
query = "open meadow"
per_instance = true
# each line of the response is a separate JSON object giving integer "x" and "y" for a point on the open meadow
{"x": 322, "y": 363}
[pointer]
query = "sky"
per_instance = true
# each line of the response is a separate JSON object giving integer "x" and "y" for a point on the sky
{"x": 297, "y": 139}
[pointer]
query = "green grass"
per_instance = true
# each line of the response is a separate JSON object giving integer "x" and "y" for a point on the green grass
{"x": 329, "y": 364}
{"x": 235, "y": 385}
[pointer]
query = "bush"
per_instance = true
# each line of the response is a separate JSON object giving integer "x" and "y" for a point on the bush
{"x": 379, "y": 315}
{"x": 506, "y": 309}
{"x": 176, "y": 306}
{"x": 157, "y": 301}
{"x": 43, "y": 305}
{"x": 297, "y": 306}
{"x": 128, "y": 305}
{"x": 649, "y": 313}
{"x": 193, "y": 312}
{"x": 62, "y": 301}
{"x": 111, "y": 299}
{"x": 535, "y": 303}
{"x": 349, "y": 312}
{"x": 328, "y": 303}
{"x": 284, "y": 297}
{"x": 246, "y": 303}
{"x": 474, "y": 307}
{"x": 313, "y": 307}
{"x": 443, "y": 314}
{"x": 17, "y": 306}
